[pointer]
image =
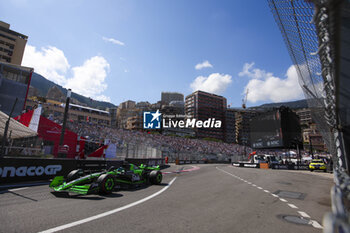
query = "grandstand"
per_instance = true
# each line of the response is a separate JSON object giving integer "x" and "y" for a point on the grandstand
{"x": 77, "y": 113}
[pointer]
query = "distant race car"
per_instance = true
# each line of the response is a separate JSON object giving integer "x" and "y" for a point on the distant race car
{"x": 105, "y": 181}
{"x": 317, "y": 164}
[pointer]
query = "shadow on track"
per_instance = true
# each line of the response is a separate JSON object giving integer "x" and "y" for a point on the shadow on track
{"x": 85, "y": 197}
{"x": 19, "y": 195}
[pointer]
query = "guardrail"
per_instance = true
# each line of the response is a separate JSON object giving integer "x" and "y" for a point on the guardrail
{"x": 178, "y": 162}
{"x": 249, "y": 165}
{"x": 272, "y": 166}
{"x": 290, "y": 166}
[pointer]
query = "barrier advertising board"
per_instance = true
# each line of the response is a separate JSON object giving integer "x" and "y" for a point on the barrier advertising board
{"x": 13, "y": 170}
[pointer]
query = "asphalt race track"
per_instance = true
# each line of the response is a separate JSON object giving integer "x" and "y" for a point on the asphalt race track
{"x": 215, "y": 198}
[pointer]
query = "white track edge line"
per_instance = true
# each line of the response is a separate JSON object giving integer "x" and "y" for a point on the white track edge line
{"x": 314, "y": 223}
{"x": 303, "y": 214}
{"x": 292, "y": 206}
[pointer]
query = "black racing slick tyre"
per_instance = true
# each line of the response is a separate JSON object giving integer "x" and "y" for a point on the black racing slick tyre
{"x": 155, "y": 177}
{"x": 106, "y": 183}
{"x": 75, "y": 174}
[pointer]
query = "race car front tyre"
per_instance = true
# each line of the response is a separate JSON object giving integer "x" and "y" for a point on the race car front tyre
{"x": 155, "y": 177}
{"x": 75, "y": 174}
{"x": 106, "y": 183}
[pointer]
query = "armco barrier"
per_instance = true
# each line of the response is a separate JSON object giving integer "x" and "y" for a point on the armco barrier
{"x": 249, "y": 165}
{"x": 179, "y": 162}
{"x": 273, "y": 166}
{"x": 97, "y": 165}
{"x": 301, "y": 167}
{"x": 283, "y": 166}
{"x": 290, "y": 167}
{"x": 91, "y": 165}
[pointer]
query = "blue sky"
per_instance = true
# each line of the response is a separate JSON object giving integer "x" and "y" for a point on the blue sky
{"x": 118, "y": 50}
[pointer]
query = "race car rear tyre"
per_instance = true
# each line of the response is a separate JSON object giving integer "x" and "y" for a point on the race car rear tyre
{"x": 75, "y": 174}
{"x": 155, "y": 177}
{"x": 106, "y": 183}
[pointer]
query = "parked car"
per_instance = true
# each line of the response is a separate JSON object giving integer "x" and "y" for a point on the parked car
{"x": 317, "y": 164}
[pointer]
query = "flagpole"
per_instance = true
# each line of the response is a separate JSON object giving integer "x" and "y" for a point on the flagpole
{"x": 64, "y": 122}
{"x": 4, "y": 138}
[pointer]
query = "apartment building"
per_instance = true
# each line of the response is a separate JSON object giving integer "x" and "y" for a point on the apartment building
{"x": 12, "y": 44}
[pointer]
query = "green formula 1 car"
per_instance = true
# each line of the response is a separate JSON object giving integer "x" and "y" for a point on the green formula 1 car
{"x": 104, "y": 182}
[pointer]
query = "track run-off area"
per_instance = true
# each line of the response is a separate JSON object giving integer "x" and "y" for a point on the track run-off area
{"x": 201, "y": 198}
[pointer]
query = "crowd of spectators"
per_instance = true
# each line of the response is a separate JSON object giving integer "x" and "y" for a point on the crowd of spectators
{"x": 176, "y": 144}
{"x": 123, "y": 137}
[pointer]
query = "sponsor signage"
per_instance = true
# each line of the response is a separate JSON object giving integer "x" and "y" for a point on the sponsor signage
{"x": 16, "y": 170}
{"x": 301, "y": 167}
{"x": 282, "y": 166}
{"x": 29, "y": 171}
{"x": 290, "y": 167}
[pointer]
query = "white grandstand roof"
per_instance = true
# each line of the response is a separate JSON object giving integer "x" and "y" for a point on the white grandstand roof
{"x": 17, "y": 129}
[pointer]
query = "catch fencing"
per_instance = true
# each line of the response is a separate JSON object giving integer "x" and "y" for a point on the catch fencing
{"x": 138, "y": 151}
{"x": 316, "y": 33}
{"x": 144, "y": 151}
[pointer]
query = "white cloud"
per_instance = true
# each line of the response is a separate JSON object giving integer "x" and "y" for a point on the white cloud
{"x": 113, "y": 41}
{"x": 50, "y": 62}
{"x": 88, "y": 79}
{"x": 103, "y": 98}
{"x": 205, "y": 64}
{"x": 264, "y": 86}
{"x": 253, "y": 73}
{"x": 215, "y": 83}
